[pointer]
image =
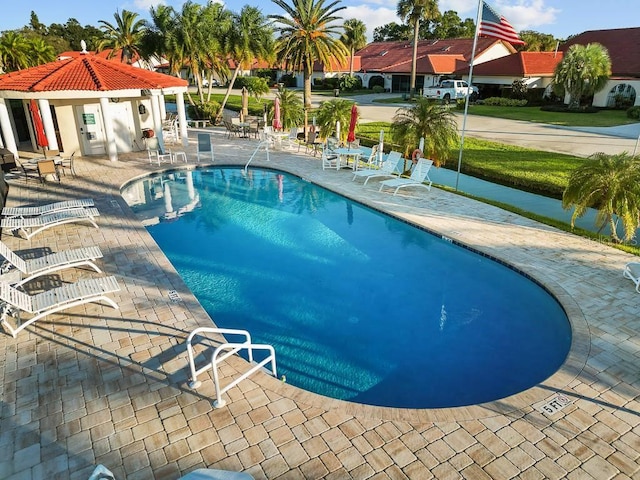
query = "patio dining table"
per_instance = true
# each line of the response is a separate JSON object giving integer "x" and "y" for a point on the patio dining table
{"x": 346, "y": 154}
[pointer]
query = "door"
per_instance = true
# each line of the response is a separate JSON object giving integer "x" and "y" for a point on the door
{"x": 122, "y": 119}
{"x": 89, "y": 119}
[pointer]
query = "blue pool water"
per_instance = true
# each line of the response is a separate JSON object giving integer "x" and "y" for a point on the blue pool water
{"x": 359, "y": 306}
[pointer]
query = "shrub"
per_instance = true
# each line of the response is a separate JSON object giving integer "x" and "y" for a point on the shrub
{"x": 350, "y": 83}
{"x": 206, "y": 110}
{"x": 289, "y": 80}
{"x": 634, "y": 112}
{"x": 257, "y": 86}
{"x": 519, "y": 89}
{"x": 267, "y": 73}
{"x": 504, "y": 102}
{"x": 377, "y": 89}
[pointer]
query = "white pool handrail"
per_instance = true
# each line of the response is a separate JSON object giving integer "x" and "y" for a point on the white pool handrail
{"x": 224, "y": 351}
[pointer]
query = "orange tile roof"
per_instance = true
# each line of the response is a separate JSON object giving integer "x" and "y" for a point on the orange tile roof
{"x": 87, "y": 72}
{"x": 434, "y": 56}
{"x": 521, "y": 64}
{"x": 622, "y": 44}
{"x": 336, "y": 66}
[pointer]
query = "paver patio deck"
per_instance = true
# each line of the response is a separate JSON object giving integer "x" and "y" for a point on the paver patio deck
{"x": 93, "y": 385}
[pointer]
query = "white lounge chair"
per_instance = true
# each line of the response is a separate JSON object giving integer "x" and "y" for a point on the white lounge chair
{"x": 48, "y": 208}
{"x": 14, "y": 302}
{"x": 632, "y": 272}
{"x": 46, "y": 264}
{"x": 419, "y": 177}
{"x": 387, "y": 169}
{"x": 29, "y": 226}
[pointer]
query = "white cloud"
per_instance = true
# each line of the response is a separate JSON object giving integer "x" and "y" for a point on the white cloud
{"x": 529, "y": 15}
{"x": 372, "y": 17}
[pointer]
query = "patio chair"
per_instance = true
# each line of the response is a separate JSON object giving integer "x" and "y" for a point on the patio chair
{"x": 419, "y": 175}
{"x": 47, "y": 208}
{"x": 47, "y": 168}
{"x": 387, "y": 169}
{"x": 67, "y": 164}
{"x": 27, "y": 170}
{"x": 329, "y": 159}
{"x": 291, "y": 141}
{"x": 44, "y": 265}
{"x": 29, "y": 226}
{"x": 632, "y": 272}
{"x": 156, "y": 156}
{"x": 312, "y": 144}
{"x": 15, "y": 302}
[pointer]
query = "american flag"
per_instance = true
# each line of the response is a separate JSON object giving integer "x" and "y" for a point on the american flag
{"x": 494, "y": 25}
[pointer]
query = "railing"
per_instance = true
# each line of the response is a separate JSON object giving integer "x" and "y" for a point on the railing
{"x": 264, "y": 142}
{"x": 221, "y": 353}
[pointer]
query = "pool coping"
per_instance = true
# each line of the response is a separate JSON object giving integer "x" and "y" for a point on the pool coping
{"x": 572, "y": 366}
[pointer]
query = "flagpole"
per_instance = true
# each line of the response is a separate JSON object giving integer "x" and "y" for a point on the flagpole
{"x": 466, "y": 101}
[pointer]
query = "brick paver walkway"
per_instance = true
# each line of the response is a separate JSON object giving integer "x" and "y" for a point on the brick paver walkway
{"x": 94, "y": 385}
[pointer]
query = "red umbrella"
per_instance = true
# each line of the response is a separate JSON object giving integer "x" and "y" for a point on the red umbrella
{"x": 351, "y": 137}
{"x": 38, "y": 127}
{"x": 277, "y": 124}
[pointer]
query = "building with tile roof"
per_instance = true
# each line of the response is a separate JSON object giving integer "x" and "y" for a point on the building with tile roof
{"x": 389, "y": 63}
{"x": 536, "y": 69}
{"x": 623, "y": 45}
{"x": 89, "y": 105}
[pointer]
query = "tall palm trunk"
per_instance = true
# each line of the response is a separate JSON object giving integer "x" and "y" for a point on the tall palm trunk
{"x": 352, "y": 53}
{"x": 307, "y": 88}
{"x": 228, "y": 92}
{"x": 414, "y": 60}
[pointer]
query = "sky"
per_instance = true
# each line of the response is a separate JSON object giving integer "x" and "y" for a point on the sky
{"x": 560, "y": 18}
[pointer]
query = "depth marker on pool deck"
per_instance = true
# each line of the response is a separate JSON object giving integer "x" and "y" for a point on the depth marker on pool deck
{"x": 553, "y": 405}
{"x": 174, "y": 296}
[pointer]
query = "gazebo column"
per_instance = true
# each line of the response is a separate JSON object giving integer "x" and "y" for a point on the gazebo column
{"x": 7, "y": 131}
{"x": 182, "y": 119}
{"x": 47, "y": 121}
{"x": 157, "y": 120}
{"x": 112, "y": 148}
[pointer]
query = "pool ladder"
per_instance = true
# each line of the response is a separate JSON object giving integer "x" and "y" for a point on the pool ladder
{"x": 224, "y": 351}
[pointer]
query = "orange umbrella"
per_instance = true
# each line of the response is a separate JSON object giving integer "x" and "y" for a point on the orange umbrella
{"x": 277, "y": 123}
{"x": 352, "y": 124}
{"x": 38, "y": 127}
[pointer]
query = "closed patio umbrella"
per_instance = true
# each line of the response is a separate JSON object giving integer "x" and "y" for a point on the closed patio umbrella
{"x": 277, "y": 123}
{"x": 38, "y": 127}
{"x": 245, "y": 104}
{"x": 351, "y": 136}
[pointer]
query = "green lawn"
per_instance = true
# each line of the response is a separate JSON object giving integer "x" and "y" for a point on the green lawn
{"x": 603, "y": 118}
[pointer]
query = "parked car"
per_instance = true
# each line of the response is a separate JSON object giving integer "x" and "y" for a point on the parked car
{"x": 214, "y": 82}
{"x": 451, "y": 90}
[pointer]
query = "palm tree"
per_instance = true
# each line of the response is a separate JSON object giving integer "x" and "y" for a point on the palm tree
{"x": 584, "y": 70}
{"x": 331, "y": 112}
{"x": 249, "y": 39}
{"x": 413, "y": 12}
{"x": 308, "y": 33}
{"x": 14, "y": 52}
{"x": 354, "y": 38}
{"x": 429, "y": 120}
{"x": 126, "y": 35}
{"x": 291, "y": 109}
{"x": 161, "y": 38}
{"x": 40, "y": 52}
{"x": 610, "y": 184}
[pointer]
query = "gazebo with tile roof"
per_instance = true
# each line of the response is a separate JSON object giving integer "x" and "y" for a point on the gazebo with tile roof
{"x": 88, "y": 105}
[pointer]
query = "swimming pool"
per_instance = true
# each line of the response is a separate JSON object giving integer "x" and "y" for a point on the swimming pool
{"x": 358, "y": 305}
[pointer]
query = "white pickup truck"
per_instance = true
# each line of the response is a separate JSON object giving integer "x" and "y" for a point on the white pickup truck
{"x": 451, "y": 90}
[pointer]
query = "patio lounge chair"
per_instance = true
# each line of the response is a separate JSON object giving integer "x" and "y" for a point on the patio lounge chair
{"x": 632, "y": 272}
{"x": 387, "y": 169}
{"x": 14, "y": 302}
{"x": 29, "y": 226}
{"x": 48, "y": 208}
{"x": 419, "y": 176}
{"x": 46, "y": 264}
